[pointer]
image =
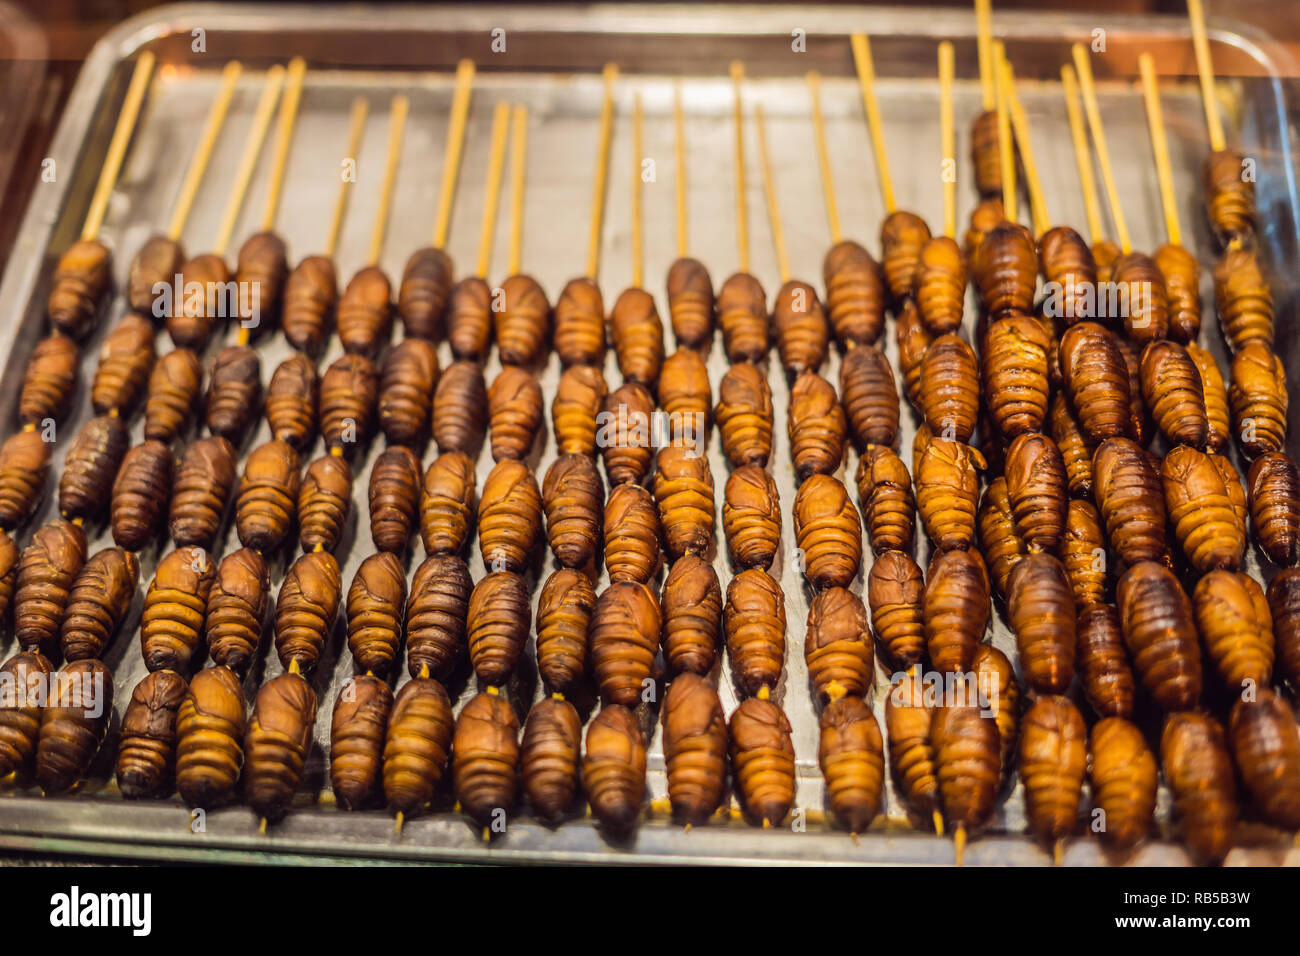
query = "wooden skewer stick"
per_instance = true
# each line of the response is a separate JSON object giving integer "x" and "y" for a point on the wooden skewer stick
{"x": 356, "y": 127}
{"x": 1204, "y": 66}
{"x": 742, "y": 206}
{"x": 203, "y": 152}
{"x": 247, "y": 163}
{"x": 135, "y": 94}
{"x": 679, "y": 153}
{"x": 288, "y": 114}
{"x": 638, "y": 216}
{"x": 396, "y": 127}
{"x": 867, "y": 81}
{"x": 1006, "y": 153}
{"x": 496, "y": 164}
{"x": 610, "y": 74}
{"x": 1084, "y": 69}
{"x": 947, "y": 139}
{"x": 984, "y": 46}
{"x": 1020, "y": 122}
{"x": 1160, "y": 146}
{"x": 1082, "y": 155}
{"x": 519, "y": 166}
{"x": 455, "y": 146}
{"x": 824, "y": 156}
{"x": 769, "y": 192}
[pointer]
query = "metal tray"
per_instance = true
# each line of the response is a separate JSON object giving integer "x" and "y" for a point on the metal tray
{"x": 552, "y": 64}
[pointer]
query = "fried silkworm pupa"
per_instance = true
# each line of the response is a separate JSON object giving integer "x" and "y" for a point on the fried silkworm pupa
{"x": 1182, "y": 275}
{"x": 1172, "y": 389}
{"x": 406, "y": 384}
{"x": 97, "y": 602}
{"x": 305, "y": 609}
{"x": 8, "y": 572}
{"x": 1236, "y": 627}
{"x": 469, "y": 319}
{"x": 995, "y": 681}
{"x": 549, "y": 757}
{"x": 1219, "y": 429}
{"x": 509, "y": 516}
{"x": 870, "y": 396}
{"x": 522, "y": 322}
{"x": 1243, "y": 300}
{"x": 73, "y": 723}
{"x": 816, "y": 426}
{"x": 1071, "y": 274}
{"x": 146, "y": 758}
{"x": 638, "y": 337}
{"x": 1123, "y": 776}
{"x": 855, "y": 294}
{"x": 1202, "y": 509}
{"x": 1273, "y": 489}
{"x": 46, "y": 571}
{"x": 851, "y": 753}
{"x": 357, "y": 731}
{"x": 365, "y": 317}
{"x": 278, "y": 742}
{"x": 564, "y": 611}
{"x": 1102, "y": 661}
{"x": 885, "y": 495}
{"x": 1037, "y": 489}
{"x": 234, "y": 393}
{"x": 436, "y": 614}
{"x": 49, "y": 381}
{"x": 1142, "y": 288}
{"x": 1160, "y": 634}
{"x": 1083, "y": 552}
{"x": 691, "y": 608}
{"x": 447, "y": 503}
{"x": 348, "y": 393}
{"x": 26, "y": 674}
{"x": 140, "y": 494}
{"x": 613, "y": 767}
{"x": 690, "y": 303}
{"x": 1076, "y": 448}
{"x": 1016, "y": 385}
{"x": 762, "y": 759}
{"x": 1041, "y": 612}
{"x": 947, "y": 483}
{"x": 485, "y": 758}
{"x": 262, "y": 266}
{"x": 125, "y": 359}
{"x": 902, "y": 236}
{"x": 742, "y": 316}
{"x": 754, "y": 624}
{"x": 799, "y": 324}
{"x": 695, "y": 748}
{"x": 310, "y": 295}
{"x": 174, "y": 387}
{"x": 1259, "y": 399}
{"x": 631, "y": 534}
{"x": 416, "y": 745}
{"x": 1096, "y": 379}
{"x": 828, "y": 532}
{"x": 983, "y": 218}
{"x": 626, "y": 433}
{"x": 499, "y": 621}
{"x": 291, "y": 401}
{"x": 955, "y": 610}
{"x": 580, "y": 323}
{"x": 424, "y": 291}
{"x": 209, "y": 738}
{"x": 968, "y": 760}
{"x": 986, "y": 154}
{"x": 895, "y": 592}
{"x": 1266, "y": 750}
{"x": 1000, "y": 543}
{"x": 375, "y": 605}
{"x": 394, "y": 495}
{"x": 751, "y": 517}
{"x": 744, "y": 415}
{"x": 1198, "y": 769}
{"x": 86, "y": 484}
{"x": 837, "y": 645}
{"x": 268, "y": 493}
{"x": 913, "y": 344}
{"x": 573, "y": 499}
{"x": 683, "y": 489}
{"x": 324, "y": 500}
{"x": 1053, "y": 760}
{"x": 190, "y": 321}
{"x": 624, "y": 639}
{"x": 171, "y": 625}
{"x": 236, "y": 607}
{"x": 80, "y": 280}
{"x": 460, "y": 406}
{"x": 685, "y": 395}
{"x": 579, "y": 399}
{"x": 1284, "y": 608}
{"x": 950, "y": 388}
{"x": 514, "y": 412}
{"x": 1230, "y": 195}
{"x": 1006, "y": 270}
{"x": 1131, "y": 499}
{"x": 939, "y": 285}
{"x": 909, "y": 718}
{"x": 24, "y": 460}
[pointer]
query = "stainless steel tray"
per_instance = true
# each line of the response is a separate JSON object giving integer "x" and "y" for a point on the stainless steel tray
{"x": 552, "y": 64}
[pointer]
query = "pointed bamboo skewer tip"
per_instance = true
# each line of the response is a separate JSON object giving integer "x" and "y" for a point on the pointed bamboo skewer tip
{"x": 947, "y": 139}
{"x": 519, "y": 166}
{"x": 742, "y": 206}
{"x": 396, "y": 127}
{"x": 1084, "y": 69}
{"x": 455, "y": 149}
{"x": 984, "y": 47}
{"x": 496, "y": 164}
{"x": 638, "y": 213}
{"x": 769, "y": 192}
{"x": 601, "y": 179}
{"x": 288, "y": 115}
{"x": 823, "y": 157}
{"x": 1082, "y": 155}
{"x": 126, "y": 119}
{"x": 1160, "y": 147}
{"x": 1205, "y": 68}
{"x": 203, "y": 152}
{"x": 1033, "y": 185}
{"x": 356, "y": 128}
{"x": 866, "y": 70}
{"x": 1006, "y": 151}
{"x": 248, "y": 161}
{"x": 679, "y": 156}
